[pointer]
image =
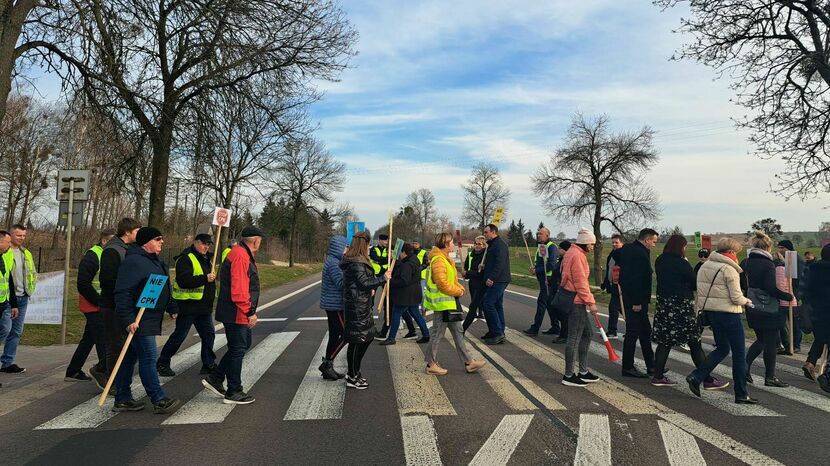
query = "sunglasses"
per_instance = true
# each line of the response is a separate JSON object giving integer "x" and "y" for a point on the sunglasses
{"x": 158, "y": 238}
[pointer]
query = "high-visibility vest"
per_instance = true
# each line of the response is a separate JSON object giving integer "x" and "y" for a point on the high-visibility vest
{"x": 96, "y": 280}
{"x": 195, "y": 294}
{"x": 379, "y": 267}
{"x": 5, "y": 293}
{"x": 434, "y": 299}
{"x": 31, "y": 273}
{"x": 536, "y": 259}
{"x": 225, "y": 253}
{"x": 421, "y": 254}
{"x": 469, "y": 259}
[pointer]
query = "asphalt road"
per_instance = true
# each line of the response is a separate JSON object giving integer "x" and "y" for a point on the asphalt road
{"x": 514, "y": 411}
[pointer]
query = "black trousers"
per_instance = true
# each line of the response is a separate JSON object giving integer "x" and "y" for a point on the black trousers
{"x": 821, "y": 336}
{"x": 637, "y": 327}
{"x": 662, "y": 355}
{"x": 766, "y": 342}
{"x": 115, "y": 336}
{"x": 477, "y": 290}
{"x": 354, "y": 356}
{"x": 336, "y": 333}
{"x": 94, "y": 335}
{"x": 613, "y": 313}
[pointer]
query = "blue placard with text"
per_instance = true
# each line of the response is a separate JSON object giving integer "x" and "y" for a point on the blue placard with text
{"x": 352, "y": 228}
{"x": 152, "y": 290}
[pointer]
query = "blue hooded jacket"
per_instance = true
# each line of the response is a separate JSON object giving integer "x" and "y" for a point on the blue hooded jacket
{"x": 331, "y": 292}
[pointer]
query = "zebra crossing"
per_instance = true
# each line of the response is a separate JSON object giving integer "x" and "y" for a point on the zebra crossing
{"x": 422, "y": 399}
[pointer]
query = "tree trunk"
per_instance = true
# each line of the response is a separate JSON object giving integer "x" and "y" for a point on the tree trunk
{"x": 12, "y": 17}
{"x": 597, "y": 224}
{"x": 160, "y": 173}
{"x": 295, "y": 212}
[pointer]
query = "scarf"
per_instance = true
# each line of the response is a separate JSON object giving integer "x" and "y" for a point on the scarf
{"x": 731, "y": 255}
{"x": 761, "y": 252}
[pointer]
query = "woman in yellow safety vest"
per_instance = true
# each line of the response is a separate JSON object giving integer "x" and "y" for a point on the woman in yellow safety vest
{"x": 441, "y": 297}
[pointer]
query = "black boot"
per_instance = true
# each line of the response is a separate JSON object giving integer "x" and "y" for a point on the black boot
{"x": 327, "y": 370}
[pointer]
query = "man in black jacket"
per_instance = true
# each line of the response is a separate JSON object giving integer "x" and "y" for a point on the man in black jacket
{"x": 111, "y": 257}
{"x": 496, "y": 268}
{"x": 194, "y": 292}
{"x": 475, "y": 280}
{"x": 138, "y": 265}
{"x": 610, "y": 287}
{"x": 89, "y": 289}
{"x": 635, "y": 281}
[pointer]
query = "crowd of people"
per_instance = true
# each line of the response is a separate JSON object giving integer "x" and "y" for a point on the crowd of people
{"x": 715, "y": 294}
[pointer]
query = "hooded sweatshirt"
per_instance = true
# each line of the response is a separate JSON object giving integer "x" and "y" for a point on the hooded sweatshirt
{"x": 331, "y": 289}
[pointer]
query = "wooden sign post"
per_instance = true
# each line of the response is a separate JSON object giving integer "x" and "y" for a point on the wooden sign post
{"x": 221, "y": 218}
{"x": 791, "y": 272}
{"x": 389, "y": 264}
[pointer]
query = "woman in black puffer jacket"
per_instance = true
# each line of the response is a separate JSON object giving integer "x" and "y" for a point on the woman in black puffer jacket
{"x": 759, "y": 272}
{"x": 359, "y": 284}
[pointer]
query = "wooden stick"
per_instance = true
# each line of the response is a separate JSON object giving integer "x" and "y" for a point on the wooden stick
{"x": 389, "y": 261}
{"x": 216, "y": 249}
{"x": 529, "y": 259}
{"x": 622, "y": 304}
{"x": 790, "y": 317}
{"x": 823, "y": 360}
{"x": 120, "y": 359}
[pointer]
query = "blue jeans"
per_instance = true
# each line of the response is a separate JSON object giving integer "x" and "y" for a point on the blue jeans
{"x": 494, "y": 308}
{"x": 142, "y": 350}
{"x": 542, "y": 305}
{"x": 412, "y": 310}
{"x": 15, "y": 330}
{"x": 729, "y": 335}
{"x": 5, "y": 320}
{"x": 239, "y": 340}
{"x": 204, "y": 327}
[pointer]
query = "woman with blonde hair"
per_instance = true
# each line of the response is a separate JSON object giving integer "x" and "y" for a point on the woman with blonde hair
{"x": 764, "y": 271}
{"x": 722, "y": 302}
{"x": 441, "y": 297}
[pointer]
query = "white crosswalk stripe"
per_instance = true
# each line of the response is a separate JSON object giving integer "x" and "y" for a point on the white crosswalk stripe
{"x": 594, "y": 445}
{"x": 206, "y": 408}
{"x": 89, "y": 415}
{"x": 420, "y": 442}
{"x": 317, "y": 398}
{"x": 681, "y": 447}
{"x": 416, "y": 392}
{"x": 501, "y": 444}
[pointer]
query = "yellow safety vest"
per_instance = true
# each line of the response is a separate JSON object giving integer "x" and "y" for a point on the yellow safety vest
{"x": 536, "y": 259}
{"x": 434, "y": 299}
{"x": 421, "y": 254}
{"x": 195, "y": 294}
{"x": 96, "y": 280}
{"x": 31, "y": 273}
{"x": 379, "y": 267}
{"x": 225, "y": 253}
{"x": 5, "y": 293}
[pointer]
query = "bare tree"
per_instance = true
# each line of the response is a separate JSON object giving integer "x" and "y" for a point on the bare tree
{"x": 151, "y": 58}
{"x": 777, "y": 54}
{"x": 483, "y": 193}
{"x": 13, "y": 18}
{"x": 307, "y": 177}
{"x": 599, "y": 176}
{"x": 422, "y": 205}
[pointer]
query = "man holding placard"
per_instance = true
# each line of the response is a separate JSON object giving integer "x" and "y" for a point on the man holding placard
{"x": 138, "y": 266}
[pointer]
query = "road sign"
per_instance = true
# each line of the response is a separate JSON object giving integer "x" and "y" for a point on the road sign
{"x": 222, "y": 217}
{"x": 77, "y": 213}
{"x": 698, "y": 240}
{"x": 706, "y": 242}
{"x": 497, "y": 216}
{"x": 81, "y": 184}
{"x": 152, "y": 290}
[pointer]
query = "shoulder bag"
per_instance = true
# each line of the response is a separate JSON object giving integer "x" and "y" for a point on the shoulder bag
{"x": 762, "y": 301}
{"x": 702, "y": 318}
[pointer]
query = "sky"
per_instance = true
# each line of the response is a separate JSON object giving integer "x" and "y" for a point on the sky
{"x": 438, "y": 86}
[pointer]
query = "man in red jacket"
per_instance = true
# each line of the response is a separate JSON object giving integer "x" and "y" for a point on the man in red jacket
{"x": 236, "y": 309}
{"x": 89, "y": 291}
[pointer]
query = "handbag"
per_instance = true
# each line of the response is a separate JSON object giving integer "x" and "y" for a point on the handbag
{"x": 762, "y": 302}
{"x": 454, "y": 315}
{"x": 563, "y": 301}
{"x": 702, "y": 318}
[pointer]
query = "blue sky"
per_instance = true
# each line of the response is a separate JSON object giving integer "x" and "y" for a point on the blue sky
{"x": 438, "y": 86}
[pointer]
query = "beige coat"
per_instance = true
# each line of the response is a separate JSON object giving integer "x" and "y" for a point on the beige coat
{"x": 725, "y": 294}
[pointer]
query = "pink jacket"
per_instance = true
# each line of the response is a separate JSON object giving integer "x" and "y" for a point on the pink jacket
{"x": 782, "y": 283}
{"x": 575, "y": 273}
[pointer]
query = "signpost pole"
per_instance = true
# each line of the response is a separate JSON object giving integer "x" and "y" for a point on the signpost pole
{"x": 216, "y": 248}
{"x": 69, "y": 223}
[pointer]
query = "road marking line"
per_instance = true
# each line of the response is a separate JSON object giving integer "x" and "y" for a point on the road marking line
{"x": 681, "y": 447}
{"x": 420, "y": 442}
{"x": 594, "y": 445}
{"x": 506, "y": 389}
{"x": 417, "y": 392}
{"x": 721, "y": 399}
{"x": 206, "y": 408}
{"x": 271, "y": 319}
{"x": 622, "y": 397}
{"x": 317, "y": 398}
{"x": 648, "y": 406}
{"x": 312, "y": 318}
{"x": 501, "y": 444}
{"x": 22, "y": 396}
{"x": 279, "y": 300}
{"x": 88, "y": 415}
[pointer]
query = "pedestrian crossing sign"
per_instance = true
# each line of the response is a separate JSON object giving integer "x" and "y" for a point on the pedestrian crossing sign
{"x": 152, "y": 290}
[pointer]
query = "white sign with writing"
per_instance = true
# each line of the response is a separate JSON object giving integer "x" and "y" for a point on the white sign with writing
{"x": 222, "y": 217}
{"x": 46, "y": 306}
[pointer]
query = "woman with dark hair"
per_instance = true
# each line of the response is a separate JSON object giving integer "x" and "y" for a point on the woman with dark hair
{"x": 359, "y": 284}
{"x": 405, "y": 294}
{"x": 675, "y": 320}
